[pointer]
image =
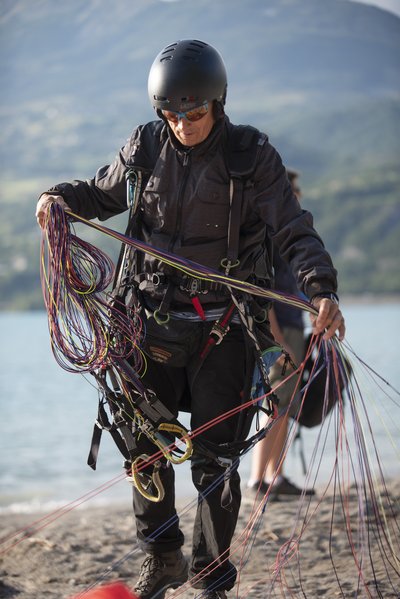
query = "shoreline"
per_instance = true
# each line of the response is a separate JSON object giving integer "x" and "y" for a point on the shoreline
{"x": 94, "y": 545}
{"x": 369, "y": 298}
{"x": 345, "y": 298}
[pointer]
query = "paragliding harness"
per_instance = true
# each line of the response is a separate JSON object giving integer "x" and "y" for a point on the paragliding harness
{"x": 135, "y": 410}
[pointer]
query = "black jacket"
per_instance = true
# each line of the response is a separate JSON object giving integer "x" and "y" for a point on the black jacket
{"x": 185, "y": 207}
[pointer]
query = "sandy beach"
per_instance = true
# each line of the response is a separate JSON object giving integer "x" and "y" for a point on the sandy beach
{"x": 94, "y": 545}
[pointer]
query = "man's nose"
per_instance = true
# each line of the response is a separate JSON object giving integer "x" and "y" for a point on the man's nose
{"x": 183, "y": 122}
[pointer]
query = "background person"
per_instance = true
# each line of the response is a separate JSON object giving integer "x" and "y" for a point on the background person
{"x": 287, "y": 326}
{"x": 185, "y": 209}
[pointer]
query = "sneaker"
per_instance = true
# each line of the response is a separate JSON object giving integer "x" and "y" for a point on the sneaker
{"x": 258, "y": 487}
{"x": 282, "y": 487}
{"x": 285, "y": 487}
{"x": 160, "y": 573}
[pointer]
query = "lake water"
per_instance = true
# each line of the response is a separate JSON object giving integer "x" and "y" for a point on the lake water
{"x": 47, "y": 416}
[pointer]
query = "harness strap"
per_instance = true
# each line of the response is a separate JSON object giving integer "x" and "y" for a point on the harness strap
{"x": 198, "y": 307}
{"x": 103, "y": 423}
{"x": 126, "y": 261}
{"x": 218, "y": 331}
{"x": 198, "y": 286}
{"x": 247, "y": 320}
{"x": 226, "y": 495}
{"x": 146, "y": 400}
{"x": 236, "y": 187}
{"x": 221, "y": 452}
{"x": 161, "y": 314}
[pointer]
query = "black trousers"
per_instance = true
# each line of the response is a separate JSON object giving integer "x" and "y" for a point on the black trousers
{"x": 207, "y": 389}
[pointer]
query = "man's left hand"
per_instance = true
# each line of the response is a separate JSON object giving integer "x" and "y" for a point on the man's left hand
{"x": 329, "y": 319}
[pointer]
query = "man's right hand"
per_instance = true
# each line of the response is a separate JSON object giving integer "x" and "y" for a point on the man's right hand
{"x": 43, "y": 205}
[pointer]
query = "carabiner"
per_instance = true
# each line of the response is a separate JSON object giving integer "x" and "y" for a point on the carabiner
{"x": 181, "y": 432}
{"x": 154, "y": 479}
{"x": 159, "y": 320}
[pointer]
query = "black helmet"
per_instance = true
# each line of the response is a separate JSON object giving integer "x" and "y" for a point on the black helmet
{"x": 185, "y": 74}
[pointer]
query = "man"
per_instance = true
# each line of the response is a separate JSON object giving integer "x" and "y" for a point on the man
{"x": 185, "y": 209}
{"x": 287, "y": 327}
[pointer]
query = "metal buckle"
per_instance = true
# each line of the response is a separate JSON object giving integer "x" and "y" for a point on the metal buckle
{"x": 225, "y": 462}
{"x": 219, "y": 333}
{"x": 155, "y": 278}
{"x": 193, "y": 286}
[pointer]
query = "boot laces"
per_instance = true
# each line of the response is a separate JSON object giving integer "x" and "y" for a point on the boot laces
{"x": 150, "y": 570}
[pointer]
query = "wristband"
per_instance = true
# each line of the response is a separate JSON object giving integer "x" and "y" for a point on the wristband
{"x": 330, "y": 296}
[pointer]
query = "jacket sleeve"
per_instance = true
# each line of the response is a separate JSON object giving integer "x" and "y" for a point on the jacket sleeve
{"x": 291, "y": 228}
{"x": 104, "y": 195}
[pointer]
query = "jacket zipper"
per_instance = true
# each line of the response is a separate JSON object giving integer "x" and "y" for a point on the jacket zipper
{"x": 182, "y": 187}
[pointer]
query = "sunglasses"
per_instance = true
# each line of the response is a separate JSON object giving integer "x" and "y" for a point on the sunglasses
{"x": 190, "y": 115}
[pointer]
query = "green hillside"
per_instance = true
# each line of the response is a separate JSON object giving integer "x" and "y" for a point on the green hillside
{"x": 322, "y": 78}
{"x": 359, "y": 220}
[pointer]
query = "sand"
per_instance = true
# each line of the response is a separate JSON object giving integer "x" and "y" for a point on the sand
{"x": 93, "y": 545}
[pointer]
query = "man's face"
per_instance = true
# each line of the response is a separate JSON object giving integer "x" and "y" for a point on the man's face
{"x": 189, "y": 132}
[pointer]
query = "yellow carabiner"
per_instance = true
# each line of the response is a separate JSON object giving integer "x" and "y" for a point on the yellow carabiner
{"x": 160, "y": 319}
{"x": 181, "y": 432}
{"x": 155, "y": 479}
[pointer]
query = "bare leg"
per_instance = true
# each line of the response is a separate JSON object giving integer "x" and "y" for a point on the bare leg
{"x": 267, "y": 459}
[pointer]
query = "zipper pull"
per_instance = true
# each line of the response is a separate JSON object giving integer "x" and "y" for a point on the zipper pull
{"x": 186, "y": 157}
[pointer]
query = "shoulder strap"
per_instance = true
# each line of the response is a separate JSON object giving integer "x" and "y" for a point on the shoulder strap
{"x": 147, "y": 146}
{"x": 244, "y": 143}
{"x": 146, "y": 149}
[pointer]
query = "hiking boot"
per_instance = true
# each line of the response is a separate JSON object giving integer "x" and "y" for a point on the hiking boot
{"x": 161, "y": 572}
{"x": 287, "y": 488}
